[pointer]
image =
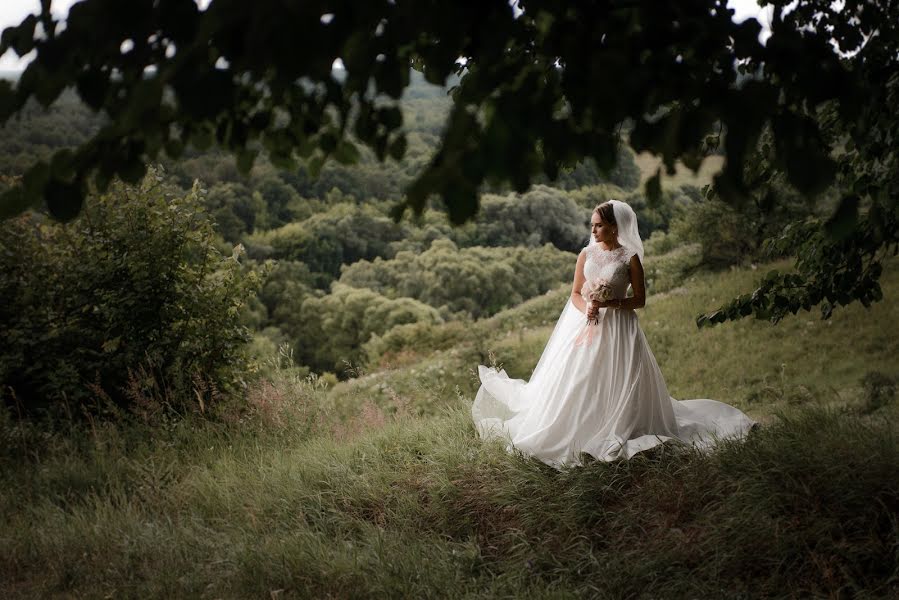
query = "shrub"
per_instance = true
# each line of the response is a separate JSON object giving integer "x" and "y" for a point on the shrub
{"x": 131, "y": 300}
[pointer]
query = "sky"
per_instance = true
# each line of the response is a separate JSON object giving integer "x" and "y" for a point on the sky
{"x": 13, "y": 11}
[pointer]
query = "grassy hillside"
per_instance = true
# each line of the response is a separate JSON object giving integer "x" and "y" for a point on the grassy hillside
{"x": 752, "y": 364}
{"x": 379, "y": 487}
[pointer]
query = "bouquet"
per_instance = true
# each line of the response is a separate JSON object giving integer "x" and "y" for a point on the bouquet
{"x": 597, "y": 290}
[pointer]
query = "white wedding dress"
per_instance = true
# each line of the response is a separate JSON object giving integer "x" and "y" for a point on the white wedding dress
{"x": 602, "y": 394}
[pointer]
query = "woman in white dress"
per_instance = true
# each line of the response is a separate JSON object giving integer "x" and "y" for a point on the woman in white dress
{"x": 597, "y": 388}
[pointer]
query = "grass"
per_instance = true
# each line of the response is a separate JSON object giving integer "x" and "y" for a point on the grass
{"x": 418, "y": 508}
{"x": 379, "y": 487}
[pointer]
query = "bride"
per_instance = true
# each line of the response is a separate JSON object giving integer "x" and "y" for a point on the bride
{"x": 597, "y": 388}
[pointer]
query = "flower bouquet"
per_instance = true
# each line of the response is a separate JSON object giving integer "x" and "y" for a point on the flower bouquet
{"x": 597, "y": 290}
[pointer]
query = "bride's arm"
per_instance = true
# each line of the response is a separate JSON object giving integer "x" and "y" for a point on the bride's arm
{"x": 578, "y": 283}
{"x": 638, "y": 283}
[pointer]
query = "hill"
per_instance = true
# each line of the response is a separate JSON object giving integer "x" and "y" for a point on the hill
{"x": 754, "y": 365}
{"x": 379, "y": 487}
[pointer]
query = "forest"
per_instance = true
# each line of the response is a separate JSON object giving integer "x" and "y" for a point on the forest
{"x": 319, "y": 264}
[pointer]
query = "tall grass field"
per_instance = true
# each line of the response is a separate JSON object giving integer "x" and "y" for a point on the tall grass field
{"x": 379, "y": 487}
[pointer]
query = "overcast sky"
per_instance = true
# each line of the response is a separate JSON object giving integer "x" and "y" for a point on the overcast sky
{"x": 13, "y": 11}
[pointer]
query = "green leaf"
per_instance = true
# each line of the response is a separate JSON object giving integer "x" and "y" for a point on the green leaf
{"x": 21, "y": 37}
{"x": 397, "y": 148}
{"x": 92, "y": 85}
{"x": 844, "y": 220}
{"x": 64, "y": 200}
{"x": 654, "y": 188}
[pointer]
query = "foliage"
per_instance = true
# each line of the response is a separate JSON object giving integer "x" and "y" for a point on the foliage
{"x": 591, "y": 196}
{"x": 332, "y": 328}
{"x": 827, "y": 273}
{"x": 533, "y": 96}
{"x": 730, "y": 235}
{"x": 37, "y": 133}
{"x": 540, "y": 87}
{"x": 132, "y": 299}
{"x": 287, "y": 281}
{"x": 342, "y": 234}
{"x": 669, "y": 270}
{"x": 373, "y": 298}
{"x": 839, "y": 256}
{"x": 474, "y": 281}
{"x": 415, "y": 339}
{"x": 625, "y": 174}
{"x": 235, "y": 209}
{"x": 542, "y": 215}
{"x": 839, "y": 259}
{"x": 657, "y": 216}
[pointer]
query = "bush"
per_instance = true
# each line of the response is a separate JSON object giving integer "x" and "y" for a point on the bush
{"x": 130, "y": 301}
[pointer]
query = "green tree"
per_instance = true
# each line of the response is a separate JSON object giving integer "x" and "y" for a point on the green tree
{"x": 538, "y": 91}
{"x": 475, "y": 281}
{"x": 329, "y": 330}
{"x": 235, "y": 209}
{"x": 343, "y": 234}
{"x": 542, "y": 215}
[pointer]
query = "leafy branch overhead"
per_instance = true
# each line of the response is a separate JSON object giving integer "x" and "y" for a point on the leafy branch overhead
{"x": 538, "y": 90}
{"x": 533, "y": 92}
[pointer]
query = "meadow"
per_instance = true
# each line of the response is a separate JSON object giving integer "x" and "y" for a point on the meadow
{"x": 379, "y": 486}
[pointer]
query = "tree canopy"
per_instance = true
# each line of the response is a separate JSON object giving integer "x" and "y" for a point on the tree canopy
{"x": 534, "y": 90}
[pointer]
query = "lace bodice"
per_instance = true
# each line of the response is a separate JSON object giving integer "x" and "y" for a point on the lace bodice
{"x": 611, "y": 265}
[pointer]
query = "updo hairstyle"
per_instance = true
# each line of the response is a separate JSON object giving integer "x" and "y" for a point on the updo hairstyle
{"x": 606, "y": 213}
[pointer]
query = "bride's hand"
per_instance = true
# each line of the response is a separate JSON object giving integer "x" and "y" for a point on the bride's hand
{"x": 592, "y": 310}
